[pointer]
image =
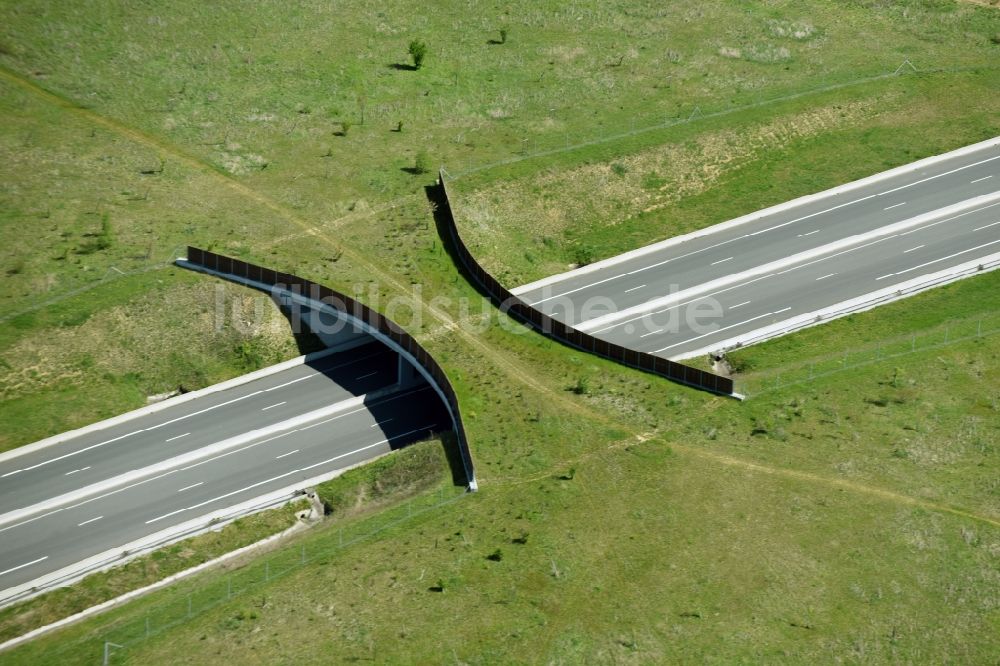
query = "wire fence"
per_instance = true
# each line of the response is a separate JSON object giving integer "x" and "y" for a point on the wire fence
{"x": 541, "y": 145}
{"x": 111, "y": 644}
{"x": 754, "y": 384}
{"x": 534, "y": 146}
{"x": 111, "y": 274}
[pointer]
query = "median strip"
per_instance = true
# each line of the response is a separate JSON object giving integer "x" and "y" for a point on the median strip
{"x": 903, "y": 170}
{"x": 846, "y": 244}
{"x": 178, "y": 461}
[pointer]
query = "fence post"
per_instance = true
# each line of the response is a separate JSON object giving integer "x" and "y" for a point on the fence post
{"x": 107, "y": 651}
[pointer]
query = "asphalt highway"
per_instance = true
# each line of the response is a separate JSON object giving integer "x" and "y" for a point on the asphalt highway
{"x": 626, "y": 302}
{"x": 137, "y": 443}
{"x": 806, "y": 286}
{"x": 62, "y": 534}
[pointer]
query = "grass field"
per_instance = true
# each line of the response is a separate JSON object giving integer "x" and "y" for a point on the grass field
{"x": 819, "y": 543}
{"x": 97, "y": 588}
{"x": 852, "y": 518}
{"x": 355, "y": 493}
{"x": 711, "y": 170}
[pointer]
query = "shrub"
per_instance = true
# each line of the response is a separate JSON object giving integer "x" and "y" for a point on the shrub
{"x": 102, "y": 240}
{"x": 584, "y": 254}
{"x": 422, "y": 162}
{"x": 503, "y": 35}
{"x": 418, "y": 51}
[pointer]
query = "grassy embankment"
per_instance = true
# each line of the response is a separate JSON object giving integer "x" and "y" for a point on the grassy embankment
{"x": 348, "y": 499}
{"x": 811, "y": 524}
{"x": 236, "y": 138}
{"x": 677, "y": 531}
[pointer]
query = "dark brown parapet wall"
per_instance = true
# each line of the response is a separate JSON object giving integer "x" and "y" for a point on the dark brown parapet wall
{"x": 379, "y": 325}
{"x": 672, "y": 370}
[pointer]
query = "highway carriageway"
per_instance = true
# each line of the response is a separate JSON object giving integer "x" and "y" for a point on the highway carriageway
{"x": 826, "y": 250}
{"x": 160, "y": 494}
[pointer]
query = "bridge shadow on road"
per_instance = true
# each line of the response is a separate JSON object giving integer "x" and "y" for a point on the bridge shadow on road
{"x": 403, "y": 414}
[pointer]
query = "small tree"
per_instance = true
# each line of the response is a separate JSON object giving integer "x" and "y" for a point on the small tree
{"x": 106, "y": 238}
{"x": 503, "y": 35}
{"x": 418, "y": 51}
{"x": 422, "y": 163}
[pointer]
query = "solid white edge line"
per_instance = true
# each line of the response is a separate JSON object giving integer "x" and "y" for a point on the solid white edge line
{"x": 724, "y": 328}
{"x": 751, "y": 217}
{"x": 950, "y": 256}
{"x": 360, "y": 323}
{"x": 44, "y": 512}
{"x": 861, "y": 303}
{"x": 117, "y": 556}
{"x": 295, "y": 471}
{"x": 73, "y": 453}
{"x": 133, "y": 594}
{"x": 850, "y": 243}
{"x": 26, "y": 564}
{"x": 169, "y": 402}
{"x": 171, "y": 464}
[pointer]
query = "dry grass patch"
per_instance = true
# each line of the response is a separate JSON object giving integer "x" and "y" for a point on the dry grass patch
{"x": 119, "y": 340}
{"x": 612, "y": 192}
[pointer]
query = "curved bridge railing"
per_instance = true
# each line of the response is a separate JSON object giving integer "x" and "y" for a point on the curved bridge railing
{"x": 517, "y": 308}
{"x": 364, "y": 318}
